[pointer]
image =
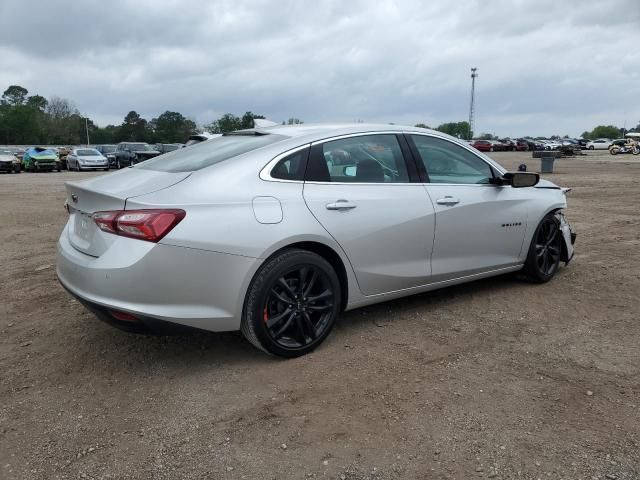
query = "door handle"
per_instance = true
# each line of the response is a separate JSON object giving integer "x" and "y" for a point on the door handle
{"x": 448, "y": 201}
{"x": 340, "y": 205}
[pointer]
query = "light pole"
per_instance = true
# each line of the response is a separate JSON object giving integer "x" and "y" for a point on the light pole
{"x": 472, "y": 106}
{"x": 86, "y": 128}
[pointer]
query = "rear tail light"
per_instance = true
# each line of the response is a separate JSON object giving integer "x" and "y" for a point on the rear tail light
{"x": 150, "y": 225}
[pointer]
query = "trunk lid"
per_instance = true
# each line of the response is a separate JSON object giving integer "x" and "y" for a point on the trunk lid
{"x": 108, "y": 192}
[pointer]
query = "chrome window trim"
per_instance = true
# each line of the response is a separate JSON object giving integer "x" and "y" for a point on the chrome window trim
{"x": 358, "y": 134}
{"x": 265, "y": 173}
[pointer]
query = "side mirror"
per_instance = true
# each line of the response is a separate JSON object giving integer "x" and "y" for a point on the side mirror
{"x": 520, "y": 179}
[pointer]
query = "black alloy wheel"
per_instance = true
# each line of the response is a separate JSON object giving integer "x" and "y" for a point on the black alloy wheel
{"x": 545, "y": 251}
{"x": 298, "y": 307}
{"x": 291, "y": 304}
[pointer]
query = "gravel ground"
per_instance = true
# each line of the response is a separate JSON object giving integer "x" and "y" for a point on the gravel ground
{"x": 495, "y": 379}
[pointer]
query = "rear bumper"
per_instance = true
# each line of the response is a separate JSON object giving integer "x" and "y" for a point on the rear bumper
{"x": 94, "y": 167}
{"x": 158, "y": 284}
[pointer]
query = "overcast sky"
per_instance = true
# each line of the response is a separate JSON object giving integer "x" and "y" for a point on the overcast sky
{"x": 545, "y": 67}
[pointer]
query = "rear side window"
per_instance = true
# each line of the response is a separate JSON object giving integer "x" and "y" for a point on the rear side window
{"x": 209, "y": 152}
{"x": 358, "y": 159}
{"x": 292, "y": 166}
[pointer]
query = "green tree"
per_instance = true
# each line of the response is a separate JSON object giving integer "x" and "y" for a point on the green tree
{"x": 604, "y": 131}
{"x": 225, "y": 124}
{"x": 456, "y": 129}
{"x": 172, "y": 127}
{"x": 37, "y": 102}
{"x": 421, "y": 125}
{"x": 14, "y": 95}
{"x": 134, "y": 128}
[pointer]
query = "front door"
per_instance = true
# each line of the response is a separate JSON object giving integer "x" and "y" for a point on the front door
{"x": 479, "y": 226}
{"x": 358, "y": 188}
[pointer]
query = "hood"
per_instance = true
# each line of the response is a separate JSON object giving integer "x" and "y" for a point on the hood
{"x": 547, "y": 184}
{"x": 42, "y": 154}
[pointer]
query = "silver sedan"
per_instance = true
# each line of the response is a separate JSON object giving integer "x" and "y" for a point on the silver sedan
{"x": 275, "y": 231}
{"x": 86, "y": 159}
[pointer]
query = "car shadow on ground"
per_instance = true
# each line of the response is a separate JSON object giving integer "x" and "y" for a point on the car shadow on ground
{"x": 230, "y": 348}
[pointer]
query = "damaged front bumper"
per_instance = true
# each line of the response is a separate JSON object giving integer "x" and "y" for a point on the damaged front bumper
{"x": 568, "y": 237}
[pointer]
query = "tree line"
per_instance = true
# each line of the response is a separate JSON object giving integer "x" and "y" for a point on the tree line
{"x": 35, "y": 120}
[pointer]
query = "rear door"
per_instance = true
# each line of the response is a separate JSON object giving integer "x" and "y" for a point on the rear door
{"x": 360, "y": 188}
{"x": 479, "y": 226}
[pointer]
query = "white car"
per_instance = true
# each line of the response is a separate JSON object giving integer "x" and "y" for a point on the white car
{"x": 86, "y": 159}
{"x": 599, "y": 144}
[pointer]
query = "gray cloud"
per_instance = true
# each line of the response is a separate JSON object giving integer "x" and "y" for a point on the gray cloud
{"x": 545, "y": 66}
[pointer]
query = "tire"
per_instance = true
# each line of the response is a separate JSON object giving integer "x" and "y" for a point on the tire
{"x": 118, "y": 166}
{"x": 613, "y": 151}
{"x": 16, "y": 169}
{"x": 303, "y": 312}
{"x": 545, "y": 251}
{"x": 78, "y": 169}
{"x": 491, "y": 149}
{"x": 591, "y": 147}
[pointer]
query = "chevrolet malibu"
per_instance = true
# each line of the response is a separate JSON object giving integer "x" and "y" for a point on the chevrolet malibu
{"x": 275, "y": 231}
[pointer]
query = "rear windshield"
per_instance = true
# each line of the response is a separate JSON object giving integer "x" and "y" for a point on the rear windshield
{"x": 208, "y": 153}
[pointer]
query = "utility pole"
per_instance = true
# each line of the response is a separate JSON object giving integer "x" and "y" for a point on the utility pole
{"x": 472, "y": 106}
{"x": 86, "y": 127}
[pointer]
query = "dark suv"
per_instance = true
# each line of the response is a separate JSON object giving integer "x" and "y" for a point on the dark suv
{"x": 130, "y": 153}
{"x": 108, "y": 151}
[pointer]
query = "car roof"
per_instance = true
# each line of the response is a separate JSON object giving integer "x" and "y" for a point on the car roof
{"x": 333, "y": 129}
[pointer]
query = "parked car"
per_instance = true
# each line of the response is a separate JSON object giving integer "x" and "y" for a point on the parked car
{"x": 168, "y": 147}
{"x": 483, "y": 145}
{"x": 618, "y": 142}
{"x": 40, "y": 159}
{"x": 521, "y": 145}
{"x": 498, "y": 146}
{"x": 8, "y": 162}
{"x": 108, "y": 151}
{"x": 583, "y": 143}
{"x": 552, "y": 144}
{"x": 83, "y": 158}
{"x": 131, "y": 153}
{"x": 62, "y": 156}
{"x": 599, "y": 144}
{"x": 509, "y": 145}
{"x": 276, "y": 231}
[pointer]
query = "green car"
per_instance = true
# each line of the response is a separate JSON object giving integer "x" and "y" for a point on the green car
{"x": 39, "y": 159}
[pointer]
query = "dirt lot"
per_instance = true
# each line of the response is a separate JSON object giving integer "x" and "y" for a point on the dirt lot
{"x": 494, "y": 379}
